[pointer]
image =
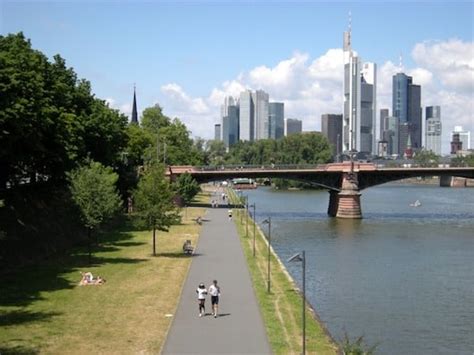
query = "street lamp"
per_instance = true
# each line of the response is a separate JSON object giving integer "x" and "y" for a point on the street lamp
{"x": 297, "y": 258}
{"x": 269, "y": 222}
{"x": 246, "y": 217}
{"x": 254, "y": 222}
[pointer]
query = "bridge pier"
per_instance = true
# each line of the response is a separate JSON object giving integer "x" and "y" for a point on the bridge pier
{"x": 333, "y": 203}
{"x": 348, "y": 199}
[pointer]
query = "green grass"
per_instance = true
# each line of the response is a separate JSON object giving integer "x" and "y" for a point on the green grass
{"x": 43, "y": 310}
{"x": 281, "y": 309}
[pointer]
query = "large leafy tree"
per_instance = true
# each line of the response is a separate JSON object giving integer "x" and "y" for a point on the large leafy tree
{"x": 48, "y": 118}
{"x": 154, "y": 204}
{"x": 93, "y": 189}
{"x": 426, "y": 158}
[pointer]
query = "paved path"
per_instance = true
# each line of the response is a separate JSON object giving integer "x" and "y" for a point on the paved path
{"x": 239, "y": 329}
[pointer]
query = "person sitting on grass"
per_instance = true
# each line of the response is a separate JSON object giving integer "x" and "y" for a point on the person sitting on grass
{"x": 88, "y": 279}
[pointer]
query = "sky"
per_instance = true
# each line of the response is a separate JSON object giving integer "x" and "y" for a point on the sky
{"x": 188, "y": 55}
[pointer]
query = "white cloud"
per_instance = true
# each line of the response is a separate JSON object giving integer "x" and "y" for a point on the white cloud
{"x": 311, "y": 87}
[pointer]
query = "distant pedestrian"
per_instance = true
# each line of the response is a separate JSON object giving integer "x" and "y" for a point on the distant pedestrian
{"x": 202, "y": 292}
{"x": 230, "y": 214}
{"x": 215, "y": 292}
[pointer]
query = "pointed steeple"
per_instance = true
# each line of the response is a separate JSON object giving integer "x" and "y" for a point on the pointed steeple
{"x": 134, "y": 107}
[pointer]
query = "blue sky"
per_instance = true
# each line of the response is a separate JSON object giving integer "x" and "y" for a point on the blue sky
{"x": 198, "y": 45}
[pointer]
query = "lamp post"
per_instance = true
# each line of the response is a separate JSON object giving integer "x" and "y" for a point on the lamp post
{"x": 296, "y": 258}
{"x": 246, "y": 217}
{"x": 254, "y": 222}
{"x": 269, "y": 222}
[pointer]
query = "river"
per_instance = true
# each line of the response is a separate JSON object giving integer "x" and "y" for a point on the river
{"x": 402, "y": 276}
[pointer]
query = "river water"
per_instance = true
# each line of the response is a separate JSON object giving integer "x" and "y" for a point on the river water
{"x": 402, "y": 276}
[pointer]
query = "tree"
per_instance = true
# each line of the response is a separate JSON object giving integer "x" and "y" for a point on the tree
{"x": 154, "y": 201}
{"x": 93, "y": 189}
{"x": 463, "y": 161}
{"x": 187, "y": 187}
{"x": 426, "y": 159}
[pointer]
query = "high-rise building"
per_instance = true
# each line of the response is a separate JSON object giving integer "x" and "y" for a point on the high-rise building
{"x": 217, "y": 132}
{"x": 456, "y": 143}
{"x": 464, "y": 137}
{"x": 433, "y": 129}
{"x": 134, "y": 108}
{"x": 261, "y": 117}
{"x": 359, "y": 101}
{"x": 391, "y": 135}
{"x": 292, "y": 126}
{"x": 276, "y": 112}
{"x": 230, "y": 126}
{"x": 406, "y": 105}
{"x": 331, "y": 128}
{"x": 383, "y": 121}
{"x": 246, "y": 117}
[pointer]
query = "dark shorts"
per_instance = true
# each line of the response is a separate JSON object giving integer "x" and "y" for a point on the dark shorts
{"x": 215, "y": 299}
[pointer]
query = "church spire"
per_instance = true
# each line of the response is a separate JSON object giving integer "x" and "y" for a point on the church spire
{"x": 134, "y": 107}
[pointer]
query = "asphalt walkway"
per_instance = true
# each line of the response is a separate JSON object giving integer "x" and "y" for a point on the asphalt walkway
{"x": 239, "y": 328}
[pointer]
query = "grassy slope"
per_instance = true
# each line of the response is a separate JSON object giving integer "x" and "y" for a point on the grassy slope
{"x": 281, "y": 309}
{"x": 43, "y": 310}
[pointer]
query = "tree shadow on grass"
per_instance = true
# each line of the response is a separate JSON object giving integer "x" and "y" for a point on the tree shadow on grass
{"x": 20, "y": 317}
{"x": 17, "y": 350}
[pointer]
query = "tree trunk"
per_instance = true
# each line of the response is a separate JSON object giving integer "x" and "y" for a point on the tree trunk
{"x": 89, "y": 247}
{"x": 154, "y": 243}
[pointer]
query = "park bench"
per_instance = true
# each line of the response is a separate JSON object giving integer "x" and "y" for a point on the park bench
{"x": 187, "y": 247}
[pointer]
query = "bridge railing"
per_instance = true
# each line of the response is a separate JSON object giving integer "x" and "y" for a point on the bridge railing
{"x": 259, "y": 167}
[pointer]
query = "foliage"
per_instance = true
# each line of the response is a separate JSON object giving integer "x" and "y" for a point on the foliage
{"x": 94, "y": 192}
{"x": 49, "y": 118}
{"x": 465, "y": 161}
{"x": 426, "y": 159}
{"x": 187, "y": 187}
{"x": 153, "y": 201}
{"x": 357, "y": 346}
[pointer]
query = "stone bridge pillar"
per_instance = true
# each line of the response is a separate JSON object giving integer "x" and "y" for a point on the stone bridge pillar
{"x": 348, "y": 204}
{"x": 333, "y": 203}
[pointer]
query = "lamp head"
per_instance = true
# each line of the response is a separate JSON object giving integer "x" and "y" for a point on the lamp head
{"x": 295, "y": 258}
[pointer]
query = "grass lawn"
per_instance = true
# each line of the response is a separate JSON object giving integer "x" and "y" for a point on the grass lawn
{"x": 281, "y": 309}
{"x": 43, "y": 310}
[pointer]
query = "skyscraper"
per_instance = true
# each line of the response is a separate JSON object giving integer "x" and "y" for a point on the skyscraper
{"x": 261, "y": 117}
{"x": 433, "y": 129}
{"x": 331, "y": 128}
{"x": 391, "y": 135}
{"x": 406, "y": 105}
{"x": 383, "y": 122}
{"x": 246, "y": 119}
{"x": 276, "y": 111}
{"x": 292, "y": 126}
{"x": 134, "y": 108}
{"x": 217, "y": 132}
{"x": 230, "y": 126}
{"x": 359, "y": 101}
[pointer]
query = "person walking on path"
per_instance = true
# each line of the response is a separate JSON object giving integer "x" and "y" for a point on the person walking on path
{"x": 215, "y": 292}
{"x": 202, "y": 292}
{"x": 230, "y": 214}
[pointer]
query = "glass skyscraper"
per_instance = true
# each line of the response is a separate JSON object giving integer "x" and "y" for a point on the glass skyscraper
{"x": 433, "y": 129}
{"x": 261, "y": 118}
{"x": 246, "y": 119}
{"x": 276, "y": 112}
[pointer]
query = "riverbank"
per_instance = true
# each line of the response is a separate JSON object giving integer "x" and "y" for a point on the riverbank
{"x": 281, "y": 309}
{"x": 43, "y": 310}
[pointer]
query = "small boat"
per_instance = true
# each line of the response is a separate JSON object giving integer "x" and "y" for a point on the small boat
{"x": 417, "y": 203}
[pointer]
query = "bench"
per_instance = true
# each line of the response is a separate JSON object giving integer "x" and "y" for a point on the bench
{"x": 187, "y": 247}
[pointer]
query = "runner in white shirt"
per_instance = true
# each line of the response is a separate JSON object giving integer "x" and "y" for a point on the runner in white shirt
{"x": 202, "y": 292}
{"x": 215, "y": 292}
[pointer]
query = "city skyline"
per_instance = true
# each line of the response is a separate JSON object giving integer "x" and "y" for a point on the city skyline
{"x": 177, "y": 58}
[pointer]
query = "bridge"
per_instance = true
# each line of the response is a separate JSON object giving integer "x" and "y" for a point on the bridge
{"x": 344, "y": 181}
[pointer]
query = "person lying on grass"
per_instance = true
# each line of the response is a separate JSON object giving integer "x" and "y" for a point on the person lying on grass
{"x": 88, "y": 279}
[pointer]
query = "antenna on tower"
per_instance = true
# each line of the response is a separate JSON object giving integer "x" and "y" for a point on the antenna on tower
{"x": 400, "y": 62}
{"x": 350, "y": 28}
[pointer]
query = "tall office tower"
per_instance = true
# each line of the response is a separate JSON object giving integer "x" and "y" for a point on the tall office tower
{"x": 261, "y": 118}
{"x": 359, "y": 101}
{"x": 134, "y": 108}
{"x": 292, "y": 126}
{"x": 464, "y": 137}
{"x": 276, "y": 112}
{"x": 391, "y": 135}
{"x": 331, "y": 128}
{"x": 433, "y": 129}
{"x": 230, "y": 126}
{"x": 368, "y": 108}
{"x": 406, "y": 105}
{"x": 246, "y": 119}
{"x": 217, "y": 132}
{"x": 383, "y": 122}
